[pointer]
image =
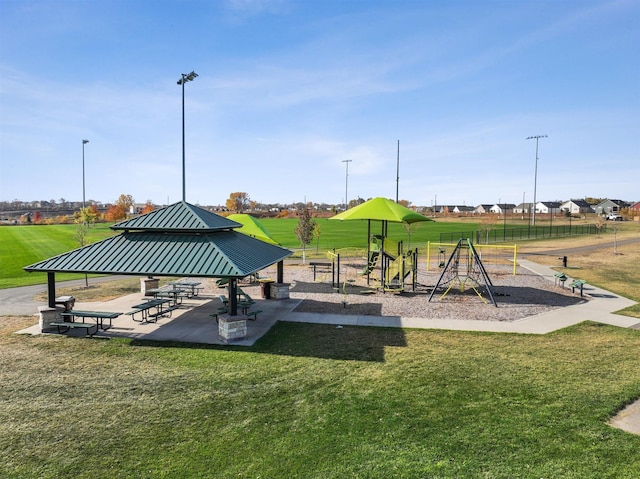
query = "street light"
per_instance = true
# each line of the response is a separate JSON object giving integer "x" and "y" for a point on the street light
{"x": 346, "y": 184}
{"x": 535, "y": 178}
{"x": 84, "y": 142}
{"x": 186, "y": 77}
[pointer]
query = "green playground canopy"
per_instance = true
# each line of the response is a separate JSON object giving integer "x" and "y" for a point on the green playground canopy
{"x": 252, "y": 227}
{"x": 381, "y": 209}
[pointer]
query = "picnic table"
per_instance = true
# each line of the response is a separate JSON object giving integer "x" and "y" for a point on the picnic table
{"x": 191, "y": 287}
{"x": 145, "y": 310}
{"x": 164, "y": 292}
{"x": 99, "y": 316}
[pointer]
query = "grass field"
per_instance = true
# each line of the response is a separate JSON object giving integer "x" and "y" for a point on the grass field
{"x": 313, "y": 401}
{"x": 25, "y": 245}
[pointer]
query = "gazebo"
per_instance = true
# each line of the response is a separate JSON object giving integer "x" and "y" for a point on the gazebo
{"x": 180, "y": 240}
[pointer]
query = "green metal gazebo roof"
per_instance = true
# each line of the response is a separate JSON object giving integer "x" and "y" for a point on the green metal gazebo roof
{"x": 179, "y": 240}
{"x": 180, "y": 216}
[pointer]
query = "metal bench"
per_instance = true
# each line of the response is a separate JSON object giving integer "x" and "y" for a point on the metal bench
{"x": 578, "y": 283}
{"x": 99, "y": 316}
{"x": 70, "y": 325}
{"x": 560, "y": 278}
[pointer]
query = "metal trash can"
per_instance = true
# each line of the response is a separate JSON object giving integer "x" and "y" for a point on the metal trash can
{"x": 265, "y": 288}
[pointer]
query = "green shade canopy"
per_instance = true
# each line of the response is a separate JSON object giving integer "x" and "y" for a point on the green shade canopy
{"x": 381, "y": 209}
{"x": 252, "y": 227}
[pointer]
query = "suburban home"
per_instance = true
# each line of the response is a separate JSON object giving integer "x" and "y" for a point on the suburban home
{"x": 462, "y": 209}
{"x": 523, "y": 208}
{"x": 482, "y": 209}
{"x": 635, "y": 208}
{"x": 606, "y": 207}
{"x": 576, "y": 207}
{"x": 548, "y": 207}
{"x": 500, "y": 208}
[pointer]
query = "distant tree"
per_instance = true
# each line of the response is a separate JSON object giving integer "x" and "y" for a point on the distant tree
{"x": 37, "y": 217}
{"x": 304, "y": 230}
{"x": 405, "y": 203}
{"x": 148, "y": 207}
{"x": 238, "y": 202}
{"x": 316, "y": 235}
{"x": 126, "y": 202}
{"x": 87, "y": 215}
{"x": 486, "y": 225}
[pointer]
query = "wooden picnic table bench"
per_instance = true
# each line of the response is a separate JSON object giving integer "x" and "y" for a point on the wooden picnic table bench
{"x": 145, "y": 308}
{"x": 99, "y": 316}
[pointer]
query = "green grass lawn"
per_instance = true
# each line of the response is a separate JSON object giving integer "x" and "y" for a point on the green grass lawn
{"x": 315, "y": 401}
{"x": 25, "y": 245}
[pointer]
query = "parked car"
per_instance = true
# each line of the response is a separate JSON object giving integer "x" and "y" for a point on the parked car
{"x": 613, "y": 217}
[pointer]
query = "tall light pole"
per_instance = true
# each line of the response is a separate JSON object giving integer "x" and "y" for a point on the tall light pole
{"x": 398, "y": 171}
{"x": 186, "y": 77}
{"x": 346, "y": 184}
{"x": 535, "y": 177}
{"x": 84, "y": 142}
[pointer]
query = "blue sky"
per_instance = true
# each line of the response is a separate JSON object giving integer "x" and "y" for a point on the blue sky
{"x": 288, "y": 90}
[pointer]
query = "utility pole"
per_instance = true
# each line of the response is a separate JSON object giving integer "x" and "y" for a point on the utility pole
{"x": 535, "y": 177}
{"x": 346, "y": 184}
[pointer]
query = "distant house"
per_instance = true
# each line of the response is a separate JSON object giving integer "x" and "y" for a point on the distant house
{"x": 462, "y": 209}
{"x": 500, "y": 208}
{"x": 523, "y": 208}
{"x": 635, "y": 208}
{"x": 610, "y": 206}
{"x": 576, "y": 207}
{"x": 548, "y": 207}
{"x": 482, "y": 209}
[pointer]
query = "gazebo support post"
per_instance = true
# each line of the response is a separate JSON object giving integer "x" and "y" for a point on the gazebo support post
{"x": 233, "y": 297}
{"x": 51, "y": 288}
{"x": 280, "y": 272}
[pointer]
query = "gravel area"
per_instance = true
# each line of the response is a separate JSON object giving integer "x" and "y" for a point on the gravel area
{"x": 517, "y": 296}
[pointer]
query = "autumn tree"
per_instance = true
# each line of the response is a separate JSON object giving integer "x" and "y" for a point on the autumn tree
{"x": 120, "y": 209}
{"x": 304, "y": 230}
{"x": 87, "y": 215}
{"x": 238, "y": 202}
{"x": 148, "y": 207}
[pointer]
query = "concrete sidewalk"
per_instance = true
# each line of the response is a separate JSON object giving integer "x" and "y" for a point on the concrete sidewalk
{"x": 599, "y": 308}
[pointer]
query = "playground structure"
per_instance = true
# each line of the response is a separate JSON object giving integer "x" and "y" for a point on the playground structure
{"x": 396, "y": 265}
{"x": 464, "y": 268}
{"x": 491, "y": 255}
{"x": 398, "y": 269}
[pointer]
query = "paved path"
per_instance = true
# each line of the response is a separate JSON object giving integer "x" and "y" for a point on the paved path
{"x": 20, "y": 302}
